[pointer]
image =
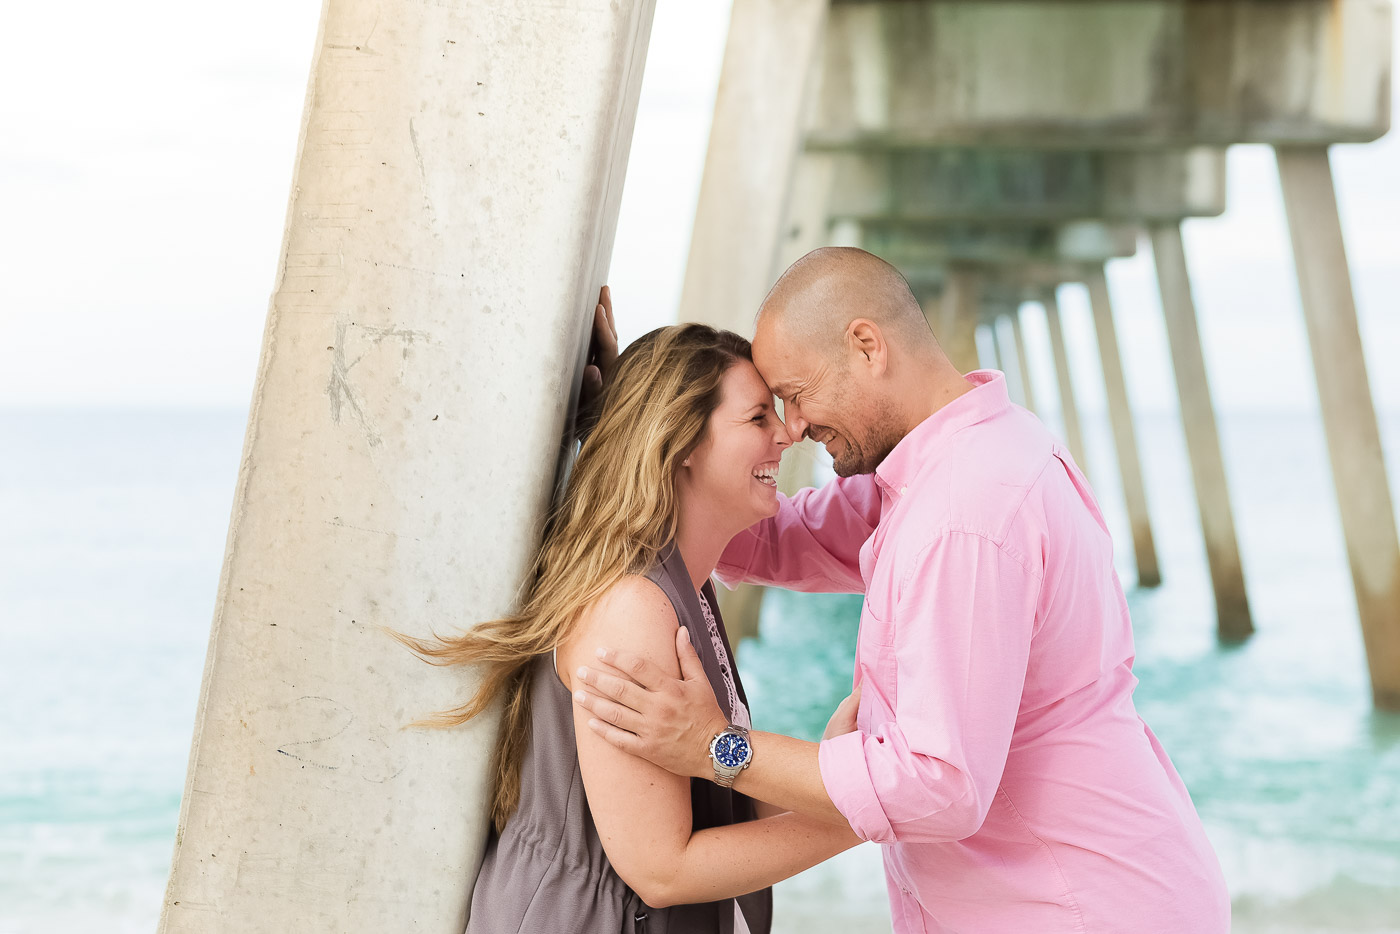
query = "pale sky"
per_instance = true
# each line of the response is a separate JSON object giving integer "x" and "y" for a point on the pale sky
{"x": 147, "y": 158}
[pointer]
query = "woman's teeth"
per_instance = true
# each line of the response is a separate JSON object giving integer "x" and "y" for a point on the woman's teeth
{"x": 767, "y": 476}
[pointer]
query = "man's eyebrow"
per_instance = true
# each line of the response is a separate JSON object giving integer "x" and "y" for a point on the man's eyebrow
{"x": 781, "y": 389}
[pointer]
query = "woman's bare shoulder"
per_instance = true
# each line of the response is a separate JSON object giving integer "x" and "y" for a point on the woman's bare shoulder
{"x": 634, "y": 614}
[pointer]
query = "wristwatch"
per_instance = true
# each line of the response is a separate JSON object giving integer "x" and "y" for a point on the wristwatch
{"x": 731, "y": 753}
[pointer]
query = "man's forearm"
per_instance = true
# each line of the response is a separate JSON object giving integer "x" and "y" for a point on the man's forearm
{"x": 784, "y": 772}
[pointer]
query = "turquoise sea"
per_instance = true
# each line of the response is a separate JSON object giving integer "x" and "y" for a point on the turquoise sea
{"x": 112, "y": 527}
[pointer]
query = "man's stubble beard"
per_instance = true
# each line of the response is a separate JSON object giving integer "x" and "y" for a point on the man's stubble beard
{"x": 864, "y": 455}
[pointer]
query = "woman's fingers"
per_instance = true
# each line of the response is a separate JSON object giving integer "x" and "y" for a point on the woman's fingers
{"x": 592, "y": 381}
{"x": 605, "y": 300}
{"x": 604, "y": 331}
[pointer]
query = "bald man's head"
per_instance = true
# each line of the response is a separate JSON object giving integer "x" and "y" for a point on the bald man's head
{"x": 843, "y": 342}
{"x": 818, "y": 296}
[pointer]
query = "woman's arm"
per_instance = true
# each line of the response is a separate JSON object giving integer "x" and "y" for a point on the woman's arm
{"x": 643, "y": 813}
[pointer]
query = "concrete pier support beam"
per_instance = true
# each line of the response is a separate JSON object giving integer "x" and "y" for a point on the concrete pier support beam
{"x": 1069, "y": 409}
{"x": 996, "y": 307}
{"x": 1103, "y": 74}
{"x": 1202, "y": 437}
{"x": 456, "y": 188}
{"x": 754, "y": 143}
{"x": 749, "y": 168}
{"x": 1348, "y": 413}
{"x": 990, "y": 185}
{"x": 902, "y": 82}
{"x": 957, "y": 314}
{"x": 924, "y": 252}
{"x": 1023, "y": 358}
{"x": 1120, "y": 415}
{"x": 998, "y": 351}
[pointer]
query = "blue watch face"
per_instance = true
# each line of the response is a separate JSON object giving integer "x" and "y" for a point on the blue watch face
{"x": 731, "y": 750}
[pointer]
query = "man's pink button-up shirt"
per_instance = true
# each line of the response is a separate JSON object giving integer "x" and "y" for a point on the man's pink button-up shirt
{"x": 998, "y": 757}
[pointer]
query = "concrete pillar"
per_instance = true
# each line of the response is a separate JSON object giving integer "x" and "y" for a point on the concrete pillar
{"x": 995, "y": 311}
{"x": 1120, "y": 414}
{"x": 953, "y": 317}
{"x": 805, "y": 228}
{"x": 754, "y": 143}
{"x": 456, "y": 188}
{"x": 1348, "y": 414}
{"x": 1006, "y": 353}
{"x": 988, "y": 353}
{"x": 1069, "y": 409}
{"x": 806, "y": 223}
{"x": 1202, "y": 438}
{"x": 749, "y": 167}
{"x": 1023, "y": 359}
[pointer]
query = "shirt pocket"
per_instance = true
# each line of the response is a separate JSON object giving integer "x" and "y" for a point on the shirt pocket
{"x": 877, "y": 613}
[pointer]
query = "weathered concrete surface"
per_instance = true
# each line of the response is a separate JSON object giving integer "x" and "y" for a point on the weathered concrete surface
{"x": 1020, "y": 338}
{"x": 749, "y": 168}
{"x": 754, "y": 142}
{"x": 1233, "y": 619}
{"x": 1025, "y": 185}
{"x": 1348, "y": 413}
{"x": 1120, "y": 414}
{"x": 1098, "y": 74}
{"x": 456, "y": 189}
{"x": 953, "y": 315}
{"x": 915, "y": 247}
{"x": 995, "y": 307}
{"x": 1069, "y": 407}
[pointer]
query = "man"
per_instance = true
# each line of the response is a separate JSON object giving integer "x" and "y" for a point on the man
{"x": 997, "y": 755}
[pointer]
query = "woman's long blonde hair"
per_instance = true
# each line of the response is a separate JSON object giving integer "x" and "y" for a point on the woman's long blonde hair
{"x": 617, "y": 513}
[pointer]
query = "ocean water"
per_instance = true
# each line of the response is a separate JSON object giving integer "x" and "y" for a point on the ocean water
{"x": 112, "y": 528}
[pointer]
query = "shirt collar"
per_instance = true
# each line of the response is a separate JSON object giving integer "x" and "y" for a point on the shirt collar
{"x": 913, "y": 453}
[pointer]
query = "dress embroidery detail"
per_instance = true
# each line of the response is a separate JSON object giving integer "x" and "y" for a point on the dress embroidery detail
{"x": 726, "y": 666}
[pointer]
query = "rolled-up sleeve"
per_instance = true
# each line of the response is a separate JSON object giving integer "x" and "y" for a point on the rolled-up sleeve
{"x": 962, "y": 632}
{"x": 812, "y": 544}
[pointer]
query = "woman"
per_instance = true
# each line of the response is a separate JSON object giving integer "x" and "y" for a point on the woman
{"x": 683, "y": 457}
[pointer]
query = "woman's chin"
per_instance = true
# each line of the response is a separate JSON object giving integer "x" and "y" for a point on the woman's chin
{"x": 769, "y": 506}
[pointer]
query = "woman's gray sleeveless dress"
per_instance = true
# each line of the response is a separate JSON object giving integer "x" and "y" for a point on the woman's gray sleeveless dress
{"x": 546, "y": 872}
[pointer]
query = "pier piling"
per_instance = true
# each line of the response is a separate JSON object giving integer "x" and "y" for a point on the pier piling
{"x": 1233, "y": 620}
{"x": 1348, "y": 414}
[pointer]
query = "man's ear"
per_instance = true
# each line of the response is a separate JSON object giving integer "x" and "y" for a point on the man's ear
{"x": 864, "y": 338}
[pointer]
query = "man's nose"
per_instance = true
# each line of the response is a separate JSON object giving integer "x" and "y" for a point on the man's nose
{"x": 795, "y": 424}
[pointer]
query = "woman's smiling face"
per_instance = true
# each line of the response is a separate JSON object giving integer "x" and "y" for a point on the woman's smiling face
{"x": 734, "y": 470}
